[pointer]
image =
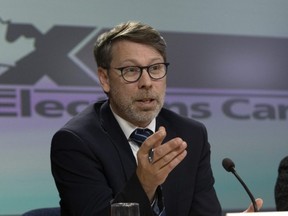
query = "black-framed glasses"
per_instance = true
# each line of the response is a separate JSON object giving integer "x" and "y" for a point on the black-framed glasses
{"x": 133, "y": 73}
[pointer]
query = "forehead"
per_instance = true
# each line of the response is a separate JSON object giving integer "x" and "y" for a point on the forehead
{"x": 129, "y": 50}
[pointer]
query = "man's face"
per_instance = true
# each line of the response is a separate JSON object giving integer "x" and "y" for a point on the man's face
{"x": 137, "y": 102}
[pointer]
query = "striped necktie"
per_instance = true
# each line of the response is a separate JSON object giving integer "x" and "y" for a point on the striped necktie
{"x": 139, "y": 135}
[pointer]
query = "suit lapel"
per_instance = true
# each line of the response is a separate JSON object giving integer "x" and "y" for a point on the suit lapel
{"x": 117, "y": 139}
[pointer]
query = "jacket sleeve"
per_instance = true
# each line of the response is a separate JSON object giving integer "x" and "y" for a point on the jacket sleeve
{"x": 205, "y": 200}
{"x": 85, "y": 185}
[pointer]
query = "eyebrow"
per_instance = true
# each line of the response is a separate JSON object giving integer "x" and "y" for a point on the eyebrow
{"x": 134, "y": 61}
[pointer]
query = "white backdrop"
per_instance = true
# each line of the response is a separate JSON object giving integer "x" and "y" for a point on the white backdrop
{"x": 256, "y": 146}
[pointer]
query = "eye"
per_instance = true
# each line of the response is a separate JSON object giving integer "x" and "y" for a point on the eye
{"x": 155, "y": 68}
{"x": 131, "y": 69}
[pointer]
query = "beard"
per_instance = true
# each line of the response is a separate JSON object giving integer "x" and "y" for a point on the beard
{"x": 127, "y": 108}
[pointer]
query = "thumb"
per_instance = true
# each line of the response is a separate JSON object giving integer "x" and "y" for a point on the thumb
{"x": 259, "y": 203}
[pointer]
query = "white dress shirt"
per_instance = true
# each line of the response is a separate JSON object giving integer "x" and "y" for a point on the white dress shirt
{"x": 128, "y": 128}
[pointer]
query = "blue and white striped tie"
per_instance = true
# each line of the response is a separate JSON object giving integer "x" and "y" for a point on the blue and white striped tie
{"x": 139, "y": 135}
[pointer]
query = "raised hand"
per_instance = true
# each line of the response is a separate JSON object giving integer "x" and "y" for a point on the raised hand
{"x": 165, "y": 158}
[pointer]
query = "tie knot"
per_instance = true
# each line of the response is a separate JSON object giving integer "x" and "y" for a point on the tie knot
{"x": 139, "y": 135}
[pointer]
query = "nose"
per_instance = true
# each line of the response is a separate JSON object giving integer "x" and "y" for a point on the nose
{"x": 145, "y": 80}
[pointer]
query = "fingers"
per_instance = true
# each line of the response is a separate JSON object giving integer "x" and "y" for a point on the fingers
{"x": 146, "y": 152}
{"x": 163, "y": 159}
{"x": 154, "y": 152}
{"x": 172, "y": 151}
{"x": 154, "y": 140}
{"x": 259, "y": 204}
{"x": 158, "y": 160}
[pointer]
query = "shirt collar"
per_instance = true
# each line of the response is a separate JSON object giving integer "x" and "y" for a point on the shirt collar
{"x": 128, "y": 128}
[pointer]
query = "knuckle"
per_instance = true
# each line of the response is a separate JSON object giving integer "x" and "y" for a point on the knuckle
{"x": 166, "y": 159}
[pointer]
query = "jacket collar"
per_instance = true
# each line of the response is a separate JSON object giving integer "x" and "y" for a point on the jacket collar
{"x": 118, "y": 139}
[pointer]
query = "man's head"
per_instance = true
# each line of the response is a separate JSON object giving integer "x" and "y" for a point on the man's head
{"x": 131, "y": 31}
{"x": 136, "y": 92}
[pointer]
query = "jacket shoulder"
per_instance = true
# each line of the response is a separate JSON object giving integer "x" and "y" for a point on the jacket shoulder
{"x": 175, "y": 119}
{"x": 85, "y": 121}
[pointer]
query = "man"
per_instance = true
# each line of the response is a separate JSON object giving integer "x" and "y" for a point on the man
{"x": 94, "y": 160}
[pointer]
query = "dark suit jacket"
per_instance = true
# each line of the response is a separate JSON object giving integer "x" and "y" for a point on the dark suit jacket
{"x": 93, "y": 164}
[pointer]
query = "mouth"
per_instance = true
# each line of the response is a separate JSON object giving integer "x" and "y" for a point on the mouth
{"x": 146, "y": 102}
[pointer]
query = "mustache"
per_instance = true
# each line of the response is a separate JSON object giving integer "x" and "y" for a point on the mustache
{"x": 146, "y": 95}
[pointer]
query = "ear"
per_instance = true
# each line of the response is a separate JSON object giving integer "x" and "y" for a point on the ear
{"x": 104, "y": 79}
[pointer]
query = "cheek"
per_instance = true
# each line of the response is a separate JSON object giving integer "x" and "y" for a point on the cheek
{"x": 162, "y": 87}
{"x": 118, "y": 89}
{"x": 123, "y": 90}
